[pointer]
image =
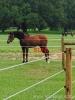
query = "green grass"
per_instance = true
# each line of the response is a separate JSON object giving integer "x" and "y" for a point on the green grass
{"x": 21, "y": 77}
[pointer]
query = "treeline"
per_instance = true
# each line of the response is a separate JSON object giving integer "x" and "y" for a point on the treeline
{"x": 39, "y": 14}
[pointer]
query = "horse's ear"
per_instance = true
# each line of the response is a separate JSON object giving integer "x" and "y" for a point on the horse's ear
{"x": 9, "y": 33}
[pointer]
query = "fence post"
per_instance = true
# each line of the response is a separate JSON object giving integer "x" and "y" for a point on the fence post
{"x": 68, "y": 86}
{"x": 63, "y": 55}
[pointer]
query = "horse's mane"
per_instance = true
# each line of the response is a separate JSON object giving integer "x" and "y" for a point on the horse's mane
{"x": 19, "y": 35}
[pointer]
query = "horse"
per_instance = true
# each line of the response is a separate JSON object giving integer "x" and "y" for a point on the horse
{"x": 30, "y": 41}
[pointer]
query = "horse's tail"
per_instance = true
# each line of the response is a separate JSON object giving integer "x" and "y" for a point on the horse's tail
{"x": 46, "y": 52}
{"x": 43, "y": 45}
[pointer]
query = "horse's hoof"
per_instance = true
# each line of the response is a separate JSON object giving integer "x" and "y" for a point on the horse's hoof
{"x": 23, "y": 62}
{"x": 46, "y": 59}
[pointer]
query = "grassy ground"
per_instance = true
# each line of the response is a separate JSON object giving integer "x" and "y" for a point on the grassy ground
{"x": 21, "y": 77}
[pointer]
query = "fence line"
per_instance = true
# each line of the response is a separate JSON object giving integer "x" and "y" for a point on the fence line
{"x": 21, "y": 64}
{"x": 49, "y": 39}
{"x": 24, "y": 90}
{"x": 49, "y": 97}
{"x": 56, "y": 46}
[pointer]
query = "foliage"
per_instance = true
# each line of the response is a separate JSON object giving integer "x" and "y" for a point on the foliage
{"x": 38, "y": 13}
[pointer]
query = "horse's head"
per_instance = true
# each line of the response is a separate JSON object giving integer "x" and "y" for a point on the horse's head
{"x": 10, "y": 37}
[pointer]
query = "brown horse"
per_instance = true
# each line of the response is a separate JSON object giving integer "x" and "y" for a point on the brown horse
{"x": 28, "y": 41}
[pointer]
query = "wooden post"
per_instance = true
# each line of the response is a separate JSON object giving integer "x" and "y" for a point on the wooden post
{"x": 63, "y": 55}
{"x": 68, "y": 86}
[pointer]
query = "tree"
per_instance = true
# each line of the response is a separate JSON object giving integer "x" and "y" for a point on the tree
{"x": 38, "y": 13}
{"x": 35, "y": 21}
{"x": 4, "y": 18}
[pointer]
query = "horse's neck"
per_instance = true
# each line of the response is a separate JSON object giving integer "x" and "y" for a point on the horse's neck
{"x": 20, "y": 37}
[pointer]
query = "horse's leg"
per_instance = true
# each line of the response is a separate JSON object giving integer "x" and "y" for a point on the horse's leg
{"x": 46, "y": 52}
{"x": 23, "y": 50}
{"x": 26, "y": 54}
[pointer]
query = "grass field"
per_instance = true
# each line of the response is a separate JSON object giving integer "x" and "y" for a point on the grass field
{"x": 26, "y": 82}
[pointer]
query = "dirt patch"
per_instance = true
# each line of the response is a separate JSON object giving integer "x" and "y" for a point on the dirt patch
{"x": 35, "y": 72}
{"x": 18, "y": 56}
{"x": 56, "y": 56}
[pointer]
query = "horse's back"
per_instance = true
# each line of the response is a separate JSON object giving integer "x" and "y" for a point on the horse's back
{"x": 35, "y": 40}
{"x": 39, "y": 36}
{"x": 41, "y": 39}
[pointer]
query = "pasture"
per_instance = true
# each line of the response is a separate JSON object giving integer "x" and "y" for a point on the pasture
{"x": 36, "y": 80}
